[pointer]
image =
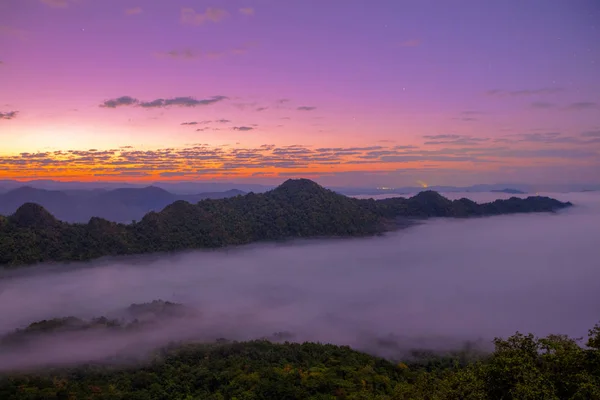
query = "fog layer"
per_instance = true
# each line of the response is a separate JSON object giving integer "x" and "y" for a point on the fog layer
{"x": 432, "y": 285}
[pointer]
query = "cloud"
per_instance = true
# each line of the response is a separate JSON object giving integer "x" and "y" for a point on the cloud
{"x": 411, "y": 43}
{"x": 189, "y": 123}
{"x": 582, "y": 105}
{"x": 133, "y": 11}
{"x": 190, "y": 54}
{"x": 472, "y": 112}
{"x": 222, "y": 121}
{"x": 153, "y": 103}
{"x": 546, "y": 137}
{"x": 306, "y": 108}
{"x": 409, "y": 158}
{"x": 525, "y": 92}
{"x": 444, "y": 136}
{"x": 591, "y": 134}
{"x": 292, "y": 287}
{"x": 242, "y": 128}
{"x": 186, "y": 54}
{"x": 453, "y": 139}
{"x": 8, "y": 115}
{"x": 247, "y": 11}
{"x": 56, "y": 3}
{"x": 120, "y": 102}
{"x": 160, "y": 103}
{"x": 1, "y": 62}
{"x": 459, "y": 150}
{"x": 542, "y": 105}
{"x": 192, "y": 102}
{"x": 190, "y": 17}
{"x": 259, "y": 109}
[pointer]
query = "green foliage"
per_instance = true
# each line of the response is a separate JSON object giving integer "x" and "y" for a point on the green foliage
{"x": 521, "y": 367}
{"x": 296, "y": 209}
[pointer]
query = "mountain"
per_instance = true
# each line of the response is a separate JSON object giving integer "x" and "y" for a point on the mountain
{"x": 192, "y": 187}
{"x": 297, "y": 208}
{"x": 508, "y": 190}
{"x": 179, "y": 187}
{"x": 118, "y": 205}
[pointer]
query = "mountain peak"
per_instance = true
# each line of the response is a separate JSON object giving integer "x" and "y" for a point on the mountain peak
{"x": 300, "y": 185}
{"x": 31, "y": 215}
{"x": 428, "y": 195}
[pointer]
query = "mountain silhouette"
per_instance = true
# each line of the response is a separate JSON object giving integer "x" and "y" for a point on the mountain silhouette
{"x": 119, "y": 205}
{"x": 297, "y": 208}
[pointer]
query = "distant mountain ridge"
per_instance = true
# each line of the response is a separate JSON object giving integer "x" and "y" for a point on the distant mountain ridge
{"x": 508, "y": 190}
{"x": 193, "y": 187}
{"x": 118, "y": 205}
{"x": 299, "y": 208}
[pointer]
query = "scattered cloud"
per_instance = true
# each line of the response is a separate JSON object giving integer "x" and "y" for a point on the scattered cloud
{"x": 550, "y": 138}
{"x": 133, "y": 11}
{"x": 160, "y": 103}
{"x": 247, "y": 11}
{"x": 411, "y": 43}
{"x": 582, "y": 105}
{"x": 444, "y": 136}
{"x": 306, "y": 108}
{"x": 466, "y": 119}
{"x": 452, "y": 139}
{"x": 186, "y": 54}
{"x": 189, "y": 123}
{"x": 545, "y": 137}
{"x": 222, "y": 121}
{"x": 591, "y": 134}
{"x": 241, "y": 161}
{"x": 259, "y": 109}
{"x": 190, "y": 54}
{"x": 8, "y": 115}
{"x": 242, "y": 128}
{"x": 542, "y": 104}
{"x": 56, "y": 3}
{"x": 525, "y": 92}
{"x": 119, "y": 102}
{"x": 472, "y": 112}
{"x": 190, "y": 17}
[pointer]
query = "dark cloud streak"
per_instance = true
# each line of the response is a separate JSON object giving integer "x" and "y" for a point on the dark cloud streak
{"x": 186, "y": 101}
{"x": 8, "y": 115}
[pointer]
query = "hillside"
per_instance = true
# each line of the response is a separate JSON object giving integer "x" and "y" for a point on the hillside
{"x": 520, "y": 367}
{"x": 118, "y": 205}
{"x": 295, "y": 209}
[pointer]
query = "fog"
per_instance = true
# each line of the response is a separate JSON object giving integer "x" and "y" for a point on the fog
{"x": 432, "y": 285}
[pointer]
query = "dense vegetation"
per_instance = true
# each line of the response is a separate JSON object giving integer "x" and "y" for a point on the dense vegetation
{"x": 521, "y": 367}
{"x": 297, "y": 208}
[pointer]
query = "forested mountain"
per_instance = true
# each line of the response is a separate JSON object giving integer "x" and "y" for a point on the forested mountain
{"x": 297, "y": 208}
{"x": 521, "y": 367}
{"x": 118, "y": 205}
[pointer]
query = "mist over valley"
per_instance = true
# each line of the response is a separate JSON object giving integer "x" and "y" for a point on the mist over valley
{"x": 434, "y": 285}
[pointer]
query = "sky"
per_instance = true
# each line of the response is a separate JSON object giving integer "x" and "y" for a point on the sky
{"x": 347, "y": 92}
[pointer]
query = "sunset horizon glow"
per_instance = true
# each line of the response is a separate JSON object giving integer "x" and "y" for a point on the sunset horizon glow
{"x": 386, "y": 93}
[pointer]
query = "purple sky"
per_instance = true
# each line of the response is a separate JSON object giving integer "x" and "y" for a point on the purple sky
{"x": 351, "y": 91}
